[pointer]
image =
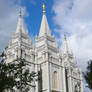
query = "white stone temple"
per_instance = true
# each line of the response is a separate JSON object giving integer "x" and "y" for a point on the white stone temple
{"x": 59, "y": 69}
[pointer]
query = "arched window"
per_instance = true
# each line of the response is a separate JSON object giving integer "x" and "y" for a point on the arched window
{"x": 55, "y": 80}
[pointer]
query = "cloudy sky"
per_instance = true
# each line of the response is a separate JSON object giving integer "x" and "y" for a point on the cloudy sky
{"x": 73, "y": 17}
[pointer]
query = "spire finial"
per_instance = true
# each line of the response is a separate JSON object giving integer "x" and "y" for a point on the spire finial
{"x": 43, "y": 7}
{"x": 64, "y": 36}
{"x": 20, "y": 13}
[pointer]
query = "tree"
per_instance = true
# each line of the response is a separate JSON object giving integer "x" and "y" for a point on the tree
{"x": 6, "y": 81}
{"x": 23, "y": 76}
{"x": 88, "y": 75}
{"x": 16, "y": 75}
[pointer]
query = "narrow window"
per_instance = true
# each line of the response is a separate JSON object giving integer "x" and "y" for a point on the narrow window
{"x": 55, "y": 80}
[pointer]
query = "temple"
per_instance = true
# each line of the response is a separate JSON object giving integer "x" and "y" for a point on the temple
{"x": 59, "y": 70}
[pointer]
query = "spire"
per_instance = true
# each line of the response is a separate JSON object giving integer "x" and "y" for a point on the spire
{"x": 20, "y": 25}
{"x": 65, "y": 49}
{"x": 44, "y": 29}
{"x": 67, "y": 53}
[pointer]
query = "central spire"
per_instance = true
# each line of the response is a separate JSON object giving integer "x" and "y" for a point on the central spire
{"x": 44, "y": 29}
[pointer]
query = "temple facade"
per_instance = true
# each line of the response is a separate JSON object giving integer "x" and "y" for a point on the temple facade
{"x": 59, "y": 70}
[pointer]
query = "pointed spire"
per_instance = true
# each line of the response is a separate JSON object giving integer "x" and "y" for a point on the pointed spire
{"x": 20, "y": 25}
{"x": 44, "y": 29}
{"x": 65, "y": 49}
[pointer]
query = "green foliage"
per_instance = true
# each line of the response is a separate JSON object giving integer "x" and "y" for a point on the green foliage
{"x": 16, "y": 75}
{"x": 6, "y": 81}
{"x": 22, "y": 75}
{"x": 88, "y": 75}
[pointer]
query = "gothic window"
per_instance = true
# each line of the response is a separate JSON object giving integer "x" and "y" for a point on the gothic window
{"x": 55, "y": 80}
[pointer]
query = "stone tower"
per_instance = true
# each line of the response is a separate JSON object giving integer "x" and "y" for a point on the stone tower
{"x": 73, "y": 75}
{"x": 21, "y": 47}
{"x": 48, "y": 57}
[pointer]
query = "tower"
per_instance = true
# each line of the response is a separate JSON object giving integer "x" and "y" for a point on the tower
{"x": 48, "y": 58}
{"x": 73, "y": 75}
{"x": 21, "y": 48}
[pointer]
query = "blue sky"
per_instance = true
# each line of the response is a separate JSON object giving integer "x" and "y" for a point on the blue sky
{"x": 73, "y": 17}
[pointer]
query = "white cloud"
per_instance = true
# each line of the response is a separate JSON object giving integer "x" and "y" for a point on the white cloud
{"x": 8, "y": 20}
